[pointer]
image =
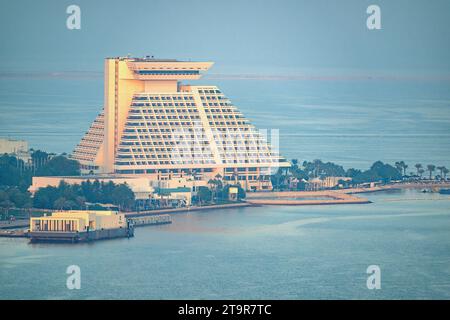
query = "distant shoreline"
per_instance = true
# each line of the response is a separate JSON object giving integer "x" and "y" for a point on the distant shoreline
{"x": 187, "y": 209}
{"x": 333, "y": 197}
{"x": 394, "y": 186}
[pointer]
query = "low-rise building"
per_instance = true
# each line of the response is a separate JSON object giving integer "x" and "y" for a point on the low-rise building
{"x": 17, "y": 148}
{"x": 180, "y": 196}
{"x": 325, "y": 183}
{"x": 78, "y": 225}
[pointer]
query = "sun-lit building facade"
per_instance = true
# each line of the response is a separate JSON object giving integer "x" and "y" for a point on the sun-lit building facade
{"x": 153, "y": 125}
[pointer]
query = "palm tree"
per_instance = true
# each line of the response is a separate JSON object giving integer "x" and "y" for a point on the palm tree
{"x": 260, "y": 180}
{"x": 399, "y": 166}
{"x": 213, "y": 183}
{"x": 6, "y": 205}
{"x": 316, "y": 163}
{"x": 445, "y": 171}
{"x": 235, "y": 177}
{"x": 431, "y": 168}
{"x": 217, "y": 185}
{"x": 294, "y": 164}
{"x": 441, "y": 169}
{"x": 405, "y": 166}
{"x": 420, "y": 172}
{"x": 418, "y": 167}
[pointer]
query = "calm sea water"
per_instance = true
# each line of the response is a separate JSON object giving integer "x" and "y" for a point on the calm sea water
{"x": 270, "y": 252}
{"x": 352, "y": 123}
{"x": 275, "y": 252}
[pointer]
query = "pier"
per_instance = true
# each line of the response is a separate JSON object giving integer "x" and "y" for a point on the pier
{"x": 13, "y": 234}
{"x": 187, "y": 209}
{"x": 22, "y": 223}
{"x": 151, "y": 220}
{"x": 85, "y": 236}
{"x": 299, "y": 198}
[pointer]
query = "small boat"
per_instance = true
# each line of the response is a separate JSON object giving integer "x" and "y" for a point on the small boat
{"x": 444, "y": 191}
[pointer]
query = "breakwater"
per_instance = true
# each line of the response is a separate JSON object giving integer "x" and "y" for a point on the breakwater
{"x": 304, "y": 198}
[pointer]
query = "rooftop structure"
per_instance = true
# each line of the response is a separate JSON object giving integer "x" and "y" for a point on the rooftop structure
{"x": 153, "y": 125}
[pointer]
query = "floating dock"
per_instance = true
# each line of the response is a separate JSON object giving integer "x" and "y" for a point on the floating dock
{"x": 151, "y": 220}
{"x": 75, "y": 237}
{"x": 303, "y": 198}
{"x": 16, "y": 224}
{"x": 13, "y": 234}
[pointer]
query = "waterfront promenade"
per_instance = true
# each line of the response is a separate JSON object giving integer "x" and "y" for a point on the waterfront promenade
{"x": 304, "y": 198}
{"x": 186, "y": 209}
{"x": 295, "y": 198}
{"x": 394, "y": 186}
{"x": 332, "y": 197}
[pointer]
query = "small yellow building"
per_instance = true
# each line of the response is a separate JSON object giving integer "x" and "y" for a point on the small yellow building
{"x": 78, "y": 221}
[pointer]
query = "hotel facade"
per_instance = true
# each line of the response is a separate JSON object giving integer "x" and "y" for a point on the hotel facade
{"x": 154, "y": 125}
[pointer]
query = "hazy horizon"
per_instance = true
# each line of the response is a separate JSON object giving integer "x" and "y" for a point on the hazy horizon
{"x": 243, "y": 37}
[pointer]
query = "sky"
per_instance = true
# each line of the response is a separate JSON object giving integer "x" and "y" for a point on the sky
{"x": 265, "y": 36}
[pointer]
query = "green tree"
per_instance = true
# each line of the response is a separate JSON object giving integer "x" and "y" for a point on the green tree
{"x": 401, "y": 167}
{"x": 225, "y": 194}
{"x": 21, "y": 199}
{"x": 204, "y": 195}
{"x": 14, "y": 172}
{"x": 6, "y": 205}
{"x": 420, "y": 172}
{"x": 317, "y": 168}
{"x": 60, "y": 203}
{"x": 44, "y": 198}
{"x": 379, "y": 171}
{"x": 430, "y": 169}
{"x": 279, "y": 179}
{"x": 405, "y": 167}
{"x": 294, "y": 163}
{"x": 123, "y": 196}
{"x": 215, "y": 186}
{"x": 445, "y": 171}
{"x": 418, "y": 167}
{"x": 351, "y": 173}
{"x": 39, "y": 158}
{"x": 441, "y": 169}
{"x": 74, "y": 196}
{"x": 59, "y": 166}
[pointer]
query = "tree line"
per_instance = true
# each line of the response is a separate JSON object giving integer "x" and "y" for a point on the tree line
{"x": 217, "y": 192}
{"x": 78, "y": 196}
{"x": 378, "y": 172}
{"x": 16, "y": 177}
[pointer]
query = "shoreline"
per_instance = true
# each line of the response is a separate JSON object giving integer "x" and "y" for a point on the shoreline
{"x": 396, "y": 186}
{"x": 336, "y": 197}
{"x": 187, "y": 209}
{"x": 332, "y": 197}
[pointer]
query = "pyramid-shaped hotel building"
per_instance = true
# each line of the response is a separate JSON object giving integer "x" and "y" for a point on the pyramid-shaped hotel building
{"x": 153, "y": 125}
